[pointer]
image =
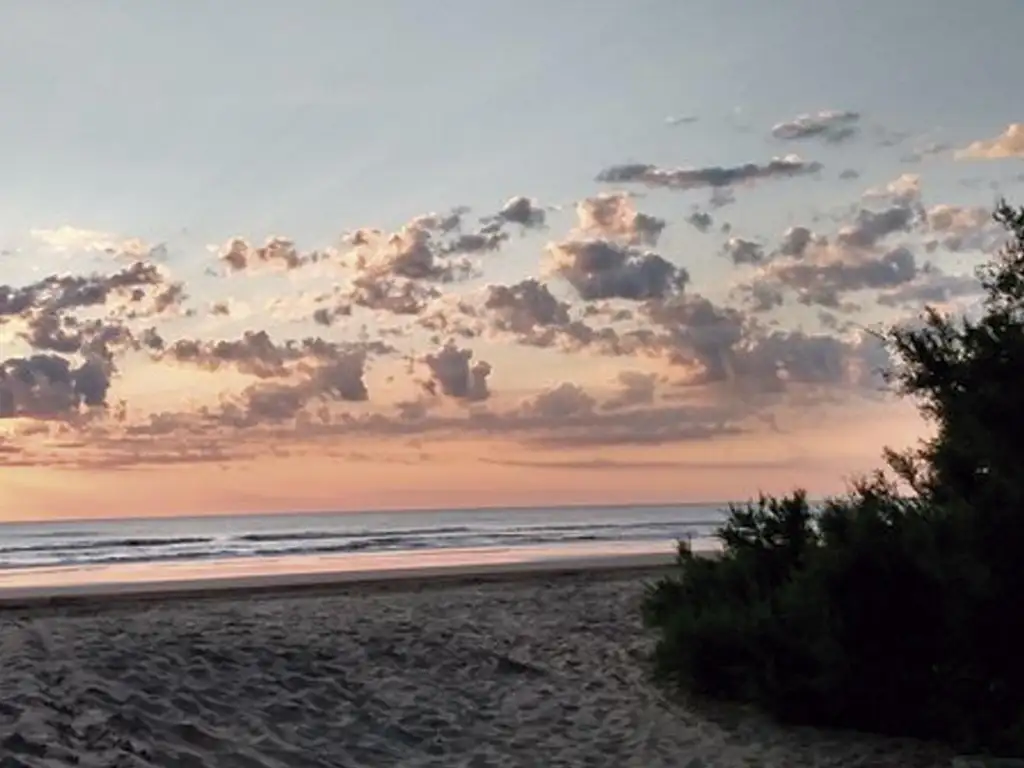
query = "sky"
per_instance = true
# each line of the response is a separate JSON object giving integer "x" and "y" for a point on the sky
{"x": 265, "y": 257}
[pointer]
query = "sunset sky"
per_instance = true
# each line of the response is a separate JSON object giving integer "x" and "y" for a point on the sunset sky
{"x": 354, "y": 255}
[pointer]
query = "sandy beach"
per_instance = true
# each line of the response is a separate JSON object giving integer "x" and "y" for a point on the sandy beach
{"x": 526, "y": 670}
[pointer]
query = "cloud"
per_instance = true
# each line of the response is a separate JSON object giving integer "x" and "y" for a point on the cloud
{"x": 326, "y": 373}
{"x": 931, "y": 286}
{"x": 523, "y": 211}
{"x": 960, "y": 228}
{"x": 721, "y": 197}
{"x": 524, "y": 306}
{"x": 59, "y": 293}
{"x": 453, "y": 374}
{"x": 47, "y": 386}
{"x": 410, "y": 253}
{"x": 565, "y": 401}
{"x": 401, "y": 273}
{"x": 796, "y": 240}
{"x": 870, "y": 227}
{"x": 67, "y": 334}
{"x": 905, "y": 190}
{"x": 614, "y": 216}
{"x": 238, "y": 255}
{"x": 712, "y": 176}
{"x": 701, "y": 221}
{"x": 636, "y": 389}
{"x": 676, "y": 364}
{"x": 603, "y": 269}
{"x": 66, "y": 239}
{"x": 821, "y": 271}
{"x": 714, "y": 344}
{"x": 829, "y": 125}
{"x": 741, "y": 251}
{"x": 255, "y": 353}
{"x": 1010, "y": 143}
{"x": 528, "y": 312}
{"x": 73, "y": 357}
{"x": 930, "y": 149}
{"x": 825, "y": 282}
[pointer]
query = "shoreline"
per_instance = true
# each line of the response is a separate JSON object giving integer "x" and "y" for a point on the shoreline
{"x": 318, "y": 582}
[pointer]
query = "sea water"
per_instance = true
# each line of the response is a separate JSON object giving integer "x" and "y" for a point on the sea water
{"x": 180, "y": 540}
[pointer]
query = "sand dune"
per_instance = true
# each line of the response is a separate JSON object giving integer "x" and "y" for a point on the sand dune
{"x": 539, "y": 671}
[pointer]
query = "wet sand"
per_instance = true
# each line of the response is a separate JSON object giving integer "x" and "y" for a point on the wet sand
{"x": 530, "y": 669}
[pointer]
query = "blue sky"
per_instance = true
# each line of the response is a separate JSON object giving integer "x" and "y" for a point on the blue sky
{"x": 314, "y": 117}
{"x": 191, "y": 122}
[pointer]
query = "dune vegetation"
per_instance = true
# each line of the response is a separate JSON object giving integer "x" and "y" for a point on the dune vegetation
{"x": 897, "y": 607}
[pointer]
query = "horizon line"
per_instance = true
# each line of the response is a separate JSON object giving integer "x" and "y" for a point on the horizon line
{"x": 384, "y": 510}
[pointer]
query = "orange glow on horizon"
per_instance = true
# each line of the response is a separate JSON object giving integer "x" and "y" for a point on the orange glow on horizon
{"x": 466, "y": 473}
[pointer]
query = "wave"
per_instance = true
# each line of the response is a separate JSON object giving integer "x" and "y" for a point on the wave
{"x": 131, "y": 543}
{"x": 71, "y": 549}
{"x": 314, "y": 535}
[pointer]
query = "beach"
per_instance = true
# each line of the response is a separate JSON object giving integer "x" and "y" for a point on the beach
{"x": 539, "y": 667}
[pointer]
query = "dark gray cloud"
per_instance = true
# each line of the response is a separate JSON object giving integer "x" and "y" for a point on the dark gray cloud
{"x": 722, "y": 344}
{"x": 299, "y": 379}
{"x": 525, "y": 306}
{"x": 821, "y": 272}
{"x": 701, "y": 221}
{"x": 824, "y": 283}
{"x": 475, "y": 242}
{"x": 931, "y": 286}
{"x": 395, "y": 296}
{"x": 523, "y": 211}
{"x": 533, "y": 316}
{"x": 712, "y": 176}
{"x": 255, "y": 353}
{"x": 47, "y": 386}
{"x": 71, "y": 370}
{"x": 59, "y": 293}
{"x": 327, "y": 316}
{"x": 68, "y": 334}
{"x": 762, "y": 296}
{"x": 453, "y": 374}
{"x": 871, "y": 227}
{"x": 743, "y": 252}
{"x": 796, "y": 240}
{"x": 829, "y": 125}
{"x": 603, "y": 269}
{"x": 400, "y": 273}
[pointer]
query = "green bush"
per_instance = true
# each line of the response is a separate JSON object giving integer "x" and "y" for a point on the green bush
{"x": 899, "y": 607}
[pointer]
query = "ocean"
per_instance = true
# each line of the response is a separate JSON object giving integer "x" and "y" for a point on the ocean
{"x": 181, "y": 540}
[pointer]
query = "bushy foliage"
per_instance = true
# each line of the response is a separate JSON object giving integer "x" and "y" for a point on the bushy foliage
{"x": 885, "y": 610}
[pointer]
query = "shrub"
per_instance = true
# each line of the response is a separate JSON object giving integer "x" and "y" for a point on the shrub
{"x": 891, "y": 612}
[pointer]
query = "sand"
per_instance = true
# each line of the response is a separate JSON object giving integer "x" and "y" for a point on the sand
{"x": 529, "y": 670}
